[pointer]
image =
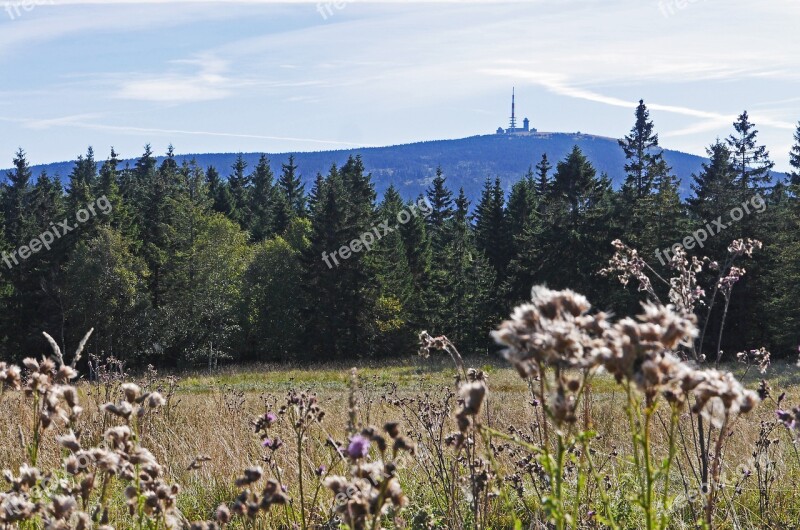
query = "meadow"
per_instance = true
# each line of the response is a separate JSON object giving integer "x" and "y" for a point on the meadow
{"x": 204, "y": 438}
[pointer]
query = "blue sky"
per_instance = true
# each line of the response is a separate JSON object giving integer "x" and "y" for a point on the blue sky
{"x": 230, "y": 76}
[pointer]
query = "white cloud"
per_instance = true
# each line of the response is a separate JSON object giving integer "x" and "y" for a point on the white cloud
{"x": 208, "y": 84}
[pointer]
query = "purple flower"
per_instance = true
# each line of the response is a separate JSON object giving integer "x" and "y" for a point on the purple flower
{"x": 271, "y": 418}
{"x": 785, "y": 418}
{"x": 272, "y": 444}
{"x": 358, "y": 448}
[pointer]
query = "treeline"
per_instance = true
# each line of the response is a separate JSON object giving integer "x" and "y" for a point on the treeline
{"x": 185, "y": 266}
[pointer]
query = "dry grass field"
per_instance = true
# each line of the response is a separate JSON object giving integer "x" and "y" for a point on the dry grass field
{"x": 204, "y": 438}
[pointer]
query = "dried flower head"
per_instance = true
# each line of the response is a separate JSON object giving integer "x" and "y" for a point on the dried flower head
{"x": 251, "y": 474}
{"x": 627, "y": 264}
{"x": 760, "y": 358}
{"x": 555, "y": 329}
{"x": 744, "y": 247}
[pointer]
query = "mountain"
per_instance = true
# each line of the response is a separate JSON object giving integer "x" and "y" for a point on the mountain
{"x": 466, "y": 162}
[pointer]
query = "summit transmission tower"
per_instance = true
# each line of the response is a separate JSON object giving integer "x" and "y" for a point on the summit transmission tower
{"x": 513, "y": 125}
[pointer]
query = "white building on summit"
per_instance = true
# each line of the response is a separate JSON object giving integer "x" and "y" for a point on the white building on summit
{"x": 512, "y": 127}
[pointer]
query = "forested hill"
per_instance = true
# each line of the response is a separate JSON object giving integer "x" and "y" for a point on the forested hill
{"x": 466, "y": 162}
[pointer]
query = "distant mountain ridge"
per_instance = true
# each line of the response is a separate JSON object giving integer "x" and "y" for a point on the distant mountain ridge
{"x": 466, "y": 162}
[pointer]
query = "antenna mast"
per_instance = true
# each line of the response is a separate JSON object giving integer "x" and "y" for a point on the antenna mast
{"x": 513, "y": 116}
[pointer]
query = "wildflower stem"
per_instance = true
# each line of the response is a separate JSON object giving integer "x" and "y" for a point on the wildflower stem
{"x": 543, "y": 398}
{"x": 300, "y": 476}
{"x": 722, "y": 329}
{"x": 712, "y": 488}
{"x": 648, "y": 413}
{"x": 640, "y": 442}
{"x": 674, "y": 419}
{"x": 703, "y": 452}
{"x": 609, "y": 517}
{"x": 34, "y": 449}
{"x": 711, "y": 303}
{"x": 559, "y": 476}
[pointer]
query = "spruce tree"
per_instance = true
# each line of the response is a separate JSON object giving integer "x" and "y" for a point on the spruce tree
{"x": 323, "y": 281}
{"x": 45, "y": 267}
{"x": 240, "y": 184}
{"x": 542, "y": 171}
{"x": 492, "y": 236}
{"x": 462, "y": 285}
{"x": 728, "y": 179}
{"x": 292, "y": 188}
{"x": 340, "y": 285}
{"x": 524, "y": 224}
{"x": 751, "y": 161}
{"x": 47, "y": 206}
{"x": 794, "y": 158}
{"x": 316, "y": 190}
{"x": 262, "y": 201}
{"x": 521, "y": 209}
{"x": 665, "y": 223}
{"x": 781, "y": 285}
{"x": 417, "y": 244}
{"x": 572, "y": 243}
{"x": 642, "y": 153}
{"x": 439, "y": 224}
{"x": 27, "y": 308}
{"x": 17, "y": 200}
{"x": 649, "y": 188}
{"x": 575, "y": 182}
{"x": 155, "y": 187}
{"x": 290, "y": 199}
{"x": 108, "y": 186}
{"x": 441, "y": 201}
{"x": 82, "y": 181}
{"x": 396, "y": 292}
{"x": 714, "y": 187}
{"x": 220, "y": 193}
{"x": 359, "y": 195}
{"x": 389, "y": 256}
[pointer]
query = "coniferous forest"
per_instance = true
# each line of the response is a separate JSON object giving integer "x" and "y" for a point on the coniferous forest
{"x": 182, "y": 265}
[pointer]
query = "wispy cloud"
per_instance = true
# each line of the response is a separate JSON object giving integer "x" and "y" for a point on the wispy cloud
{"x": 208, "y": 84}
{"x": 76, "y": 121}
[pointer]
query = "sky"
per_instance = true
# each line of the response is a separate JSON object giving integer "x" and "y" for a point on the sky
{"x": 260, "y": 76}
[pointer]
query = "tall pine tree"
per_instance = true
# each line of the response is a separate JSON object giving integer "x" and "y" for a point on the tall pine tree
{"x": 263, "y": 203}
{"x": 491, "y": 230}
{"x": 751, "y": 161}
{"x": 794, "y": 158}
{"x": 644, "y": 158}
